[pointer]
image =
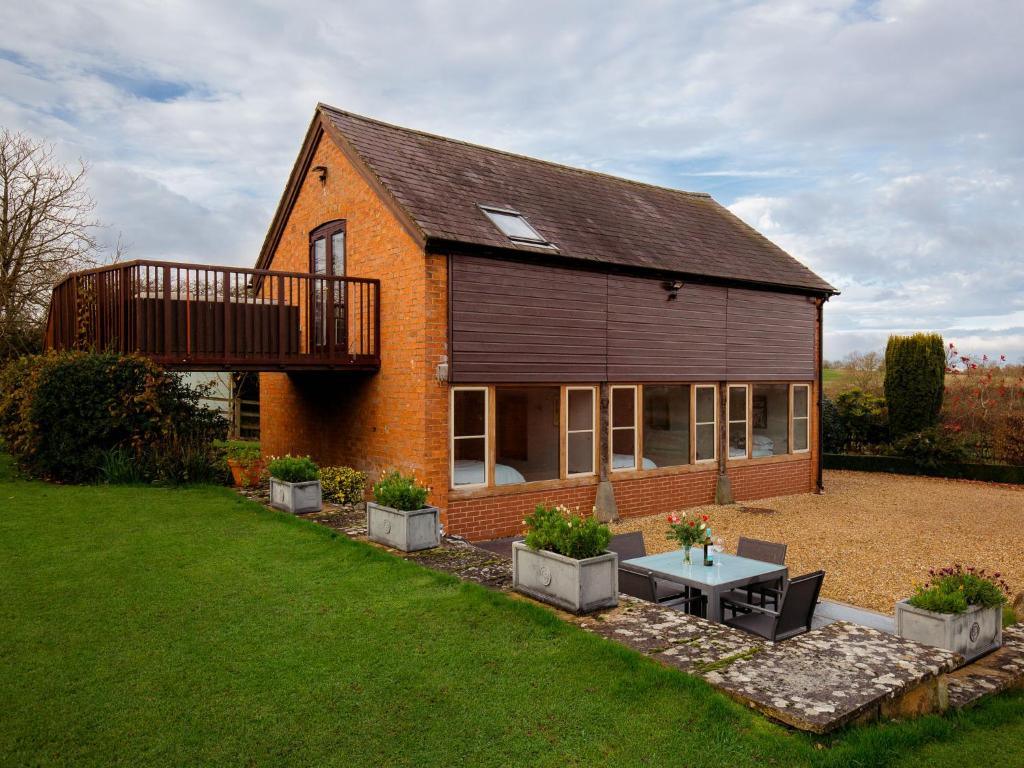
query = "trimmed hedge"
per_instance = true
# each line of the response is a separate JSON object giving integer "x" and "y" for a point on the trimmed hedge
{"x": 990, "y": 473}
{"x": 915, "y": 375}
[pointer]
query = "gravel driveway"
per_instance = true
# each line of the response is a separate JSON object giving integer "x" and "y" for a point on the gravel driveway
{"x": 875, "y": 535}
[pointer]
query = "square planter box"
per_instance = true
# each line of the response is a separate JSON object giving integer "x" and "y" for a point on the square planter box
{"x": 295, "y": 497}
{"x": 971, "y": 634}
{"x": 579, "y": 586}
{"x": 407, "y": 531}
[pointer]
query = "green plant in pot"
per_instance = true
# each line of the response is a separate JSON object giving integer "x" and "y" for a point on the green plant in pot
{"x": 245, "y": 462}
{"x": 295, "y": 484}
{"x": 399, "y": 515}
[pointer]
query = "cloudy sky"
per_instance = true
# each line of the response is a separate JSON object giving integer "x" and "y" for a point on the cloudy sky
{"x": 882, "y": 143}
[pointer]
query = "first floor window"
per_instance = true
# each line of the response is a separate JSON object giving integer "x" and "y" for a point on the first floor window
{"x": 666, "y": 431}
{"x": 579, "y": 430}
{"x": 526, "y": 434}
{"x": 801, "y": 417}
{"x": 705, "y": 421}
{"x": 622, "y": 421}
{"x": 469, "y": 436}
{"x": 737, "y": 413}
{"x": 769, "y": 420}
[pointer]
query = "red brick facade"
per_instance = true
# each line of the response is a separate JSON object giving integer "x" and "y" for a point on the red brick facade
{"x": 399, "y": 416}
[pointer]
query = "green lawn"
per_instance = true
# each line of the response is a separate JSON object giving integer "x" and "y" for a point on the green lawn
{"x": 153, "y": 627}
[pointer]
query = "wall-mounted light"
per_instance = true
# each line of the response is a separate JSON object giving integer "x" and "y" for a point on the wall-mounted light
{"x": 673, "y": 287}
{"x": 321, "y": 173}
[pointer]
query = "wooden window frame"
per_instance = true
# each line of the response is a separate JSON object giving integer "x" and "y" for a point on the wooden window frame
{"x": 694, "y": 423}
{"x": 326, "y": 232}
{"x": 595, "y": 418}
{"x": 729, "y": 421}
{"x": 637, "y": 461}
{"x": 793, "y": 417}
{"x": 488, "y": 429}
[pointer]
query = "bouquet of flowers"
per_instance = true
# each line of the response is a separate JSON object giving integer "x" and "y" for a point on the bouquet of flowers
{"x": 689, "y": 531}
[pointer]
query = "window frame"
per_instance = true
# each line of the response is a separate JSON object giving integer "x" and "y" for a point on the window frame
{"x": 693, "y": 409}
{"x": 637, "y": 461}
{"x": 793, "y": 417}
{"x": 326, "y": 232}
{"x": 539, "y": 240}
{"x": 595, "y": 418}
{"x": 746, "y": 421}
{"x": 488, "y": 428}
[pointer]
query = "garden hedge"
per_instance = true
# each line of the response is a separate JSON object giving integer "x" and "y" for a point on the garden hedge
{"x": 915, "y": 373}
{"x": 991, "y": 473}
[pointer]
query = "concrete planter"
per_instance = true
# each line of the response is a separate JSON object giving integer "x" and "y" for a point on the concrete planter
{"x": 971, "y": 634}
{"x": 399, "y": 529}
{"x": 579, "y": 586}
{"x": 295, "y": 497}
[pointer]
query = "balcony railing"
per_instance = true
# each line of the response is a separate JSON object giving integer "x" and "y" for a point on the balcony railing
{"x": 197, "y": 317}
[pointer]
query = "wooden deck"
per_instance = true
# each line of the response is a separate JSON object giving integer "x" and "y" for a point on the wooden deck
{"x": 209, "y": 318}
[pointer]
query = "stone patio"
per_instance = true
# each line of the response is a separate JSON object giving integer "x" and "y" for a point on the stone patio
{"x": 829, "y": 677}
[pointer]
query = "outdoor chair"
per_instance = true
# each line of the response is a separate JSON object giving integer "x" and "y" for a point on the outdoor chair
{"x": 640, "y": 582}
{"x": 761, "y": 593}
{"x": 797, "y": 602}
{"x": 631, "y": 545}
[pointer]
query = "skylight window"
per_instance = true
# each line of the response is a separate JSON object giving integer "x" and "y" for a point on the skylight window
{"x": 514, "y": 226}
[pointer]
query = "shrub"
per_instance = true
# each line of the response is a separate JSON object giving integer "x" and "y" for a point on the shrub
{"x": 915, "y": 373}
{"x": 245, "y": 452}
{"x": 1008, "y": 442}
{"x": 118, "y": 467}
{"x": 342, "y": 485}
{"x": 400, "y": 492}
{"x": 861, "y": 419}
{"x": 930, "y": 448}
{"x": 952, "y": 590}
{"x": 557, "y": 529}
{"x": 293, "y": 469}
{"x": 61, "y": 415}
{"x": 834, "y": 434}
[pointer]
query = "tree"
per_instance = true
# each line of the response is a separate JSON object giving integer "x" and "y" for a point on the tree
{"x": 915, "y": 376}
{"x": 46, "y": 232}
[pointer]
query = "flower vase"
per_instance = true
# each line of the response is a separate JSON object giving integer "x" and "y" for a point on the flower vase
{"x": 686, "y": 555}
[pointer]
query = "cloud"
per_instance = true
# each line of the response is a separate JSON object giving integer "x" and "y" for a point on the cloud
{"x": 879, "y": 142}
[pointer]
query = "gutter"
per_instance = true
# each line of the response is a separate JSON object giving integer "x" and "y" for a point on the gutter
{"x": 821, "y": 395}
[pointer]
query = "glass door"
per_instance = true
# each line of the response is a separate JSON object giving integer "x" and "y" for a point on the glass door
{"x": 327, "y": 257}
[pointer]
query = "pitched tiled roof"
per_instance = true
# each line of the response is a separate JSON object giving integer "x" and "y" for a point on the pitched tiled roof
{"x": 441, "y": 184}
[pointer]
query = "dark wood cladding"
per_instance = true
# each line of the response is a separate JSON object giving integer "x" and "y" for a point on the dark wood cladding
{"x": 526, "y": 322}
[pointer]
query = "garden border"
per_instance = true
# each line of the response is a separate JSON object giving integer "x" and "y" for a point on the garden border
{"x": 991, "y": 473}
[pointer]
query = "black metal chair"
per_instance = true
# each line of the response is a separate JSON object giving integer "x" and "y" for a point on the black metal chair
{"x": 640, "y": 582}
{"x": 796, "y": 610}
{"x": 762, "y": 592}
{"x": 631, "y": 545}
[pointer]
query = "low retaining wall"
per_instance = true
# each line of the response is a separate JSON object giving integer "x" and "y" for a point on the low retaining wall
{"x": 992, "y": 473}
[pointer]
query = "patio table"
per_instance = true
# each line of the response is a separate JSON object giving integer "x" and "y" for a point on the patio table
{"x": 728, "y": 572}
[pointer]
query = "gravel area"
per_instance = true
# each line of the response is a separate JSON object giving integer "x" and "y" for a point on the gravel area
{"x": 875, "y": 535}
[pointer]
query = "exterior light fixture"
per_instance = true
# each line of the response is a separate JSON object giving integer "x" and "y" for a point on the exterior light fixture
{"x": 673, "y": 287}
{"x": 321, "y": 173}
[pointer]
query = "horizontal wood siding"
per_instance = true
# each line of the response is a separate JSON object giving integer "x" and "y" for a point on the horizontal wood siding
{"x": 515, "y": 322}
{"x": 770, "y": 336}
{"x": 651, "y": 338}
{"x": 518, "y": 322}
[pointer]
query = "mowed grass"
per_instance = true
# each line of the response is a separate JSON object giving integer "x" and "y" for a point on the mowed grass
{"x": 143, "y": 626}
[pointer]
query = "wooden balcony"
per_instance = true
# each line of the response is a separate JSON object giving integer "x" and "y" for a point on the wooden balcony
{"x": 206, "y": 318}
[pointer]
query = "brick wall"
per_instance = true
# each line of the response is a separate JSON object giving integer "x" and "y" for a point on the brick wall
{"x": 368, "y": 421}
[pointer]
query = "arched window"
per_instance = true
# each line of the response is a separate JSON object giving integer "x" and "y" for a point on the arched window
{"x": 327, "y": 257}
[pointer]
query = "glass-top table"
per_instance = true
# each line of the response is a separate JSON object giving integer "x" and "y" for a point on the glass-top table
{"x": 728, "y": 572}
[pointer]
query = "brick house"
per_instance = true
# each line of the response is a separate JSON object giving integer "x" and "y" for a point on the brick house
{"x": 546, "y": 334}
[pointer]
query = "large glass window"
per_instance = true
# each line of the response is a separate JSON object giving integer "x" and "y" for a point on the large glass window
{"x": 579, "y": 432}
{"x": 526, "y": 424}
{"x": 666, "y": 433}
{"x": 769, "y": 416}
{"x": 801, "y": 417}
{"x": 705, "y": 421}
{"x": 469, "y": 436}
{"x": 622, "y": 420}
{"x": 737, "y": 411}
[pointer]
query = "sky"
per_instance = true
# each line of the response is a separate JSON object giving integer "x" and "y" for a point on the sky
{"x": 881, "y": 143}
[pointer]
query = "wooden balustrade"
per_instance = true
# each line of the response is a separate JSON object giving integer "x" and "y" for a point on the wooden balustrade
{"x": 197, "y": 317}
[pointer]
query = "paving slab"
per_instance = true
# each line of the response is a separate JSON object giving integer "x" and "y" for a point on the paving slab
{"x": 839, "y": 673}
{"x": 996, "y": 672}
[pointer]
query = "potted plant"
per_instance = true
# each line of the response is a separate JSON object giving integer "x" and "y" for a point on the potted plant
{"x": 399, "y": 515}
{"x": 294, "y": 484}
{"x": 958, "y": 609}
{"x": 564, "y": 561}
{"x": 245, "y": 462}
